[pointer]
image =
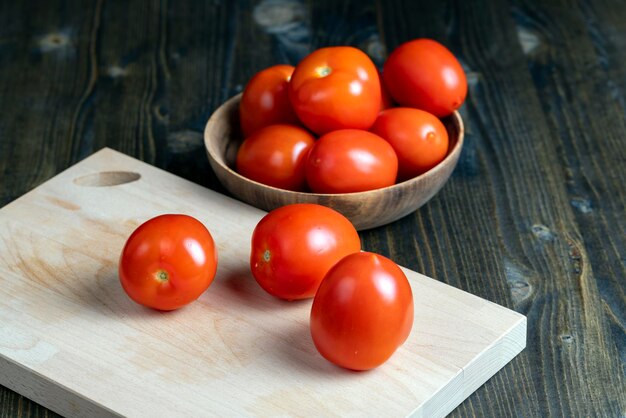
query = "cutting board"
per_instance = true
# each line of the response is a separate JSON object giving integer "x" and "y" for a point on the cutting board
{"x": 73, "y": 341}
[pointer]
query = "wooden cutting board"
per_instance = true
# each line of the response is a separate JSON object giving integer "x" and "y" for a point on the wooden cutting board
{"x": 73, "y": 341}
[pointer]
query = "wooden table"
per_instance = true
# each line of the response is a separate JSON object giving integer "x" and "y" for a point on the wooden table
{"x": 533, "y": 218}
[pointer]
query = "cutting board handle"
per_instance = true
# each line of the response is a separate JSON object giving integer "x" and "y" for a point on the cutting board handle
{"x": 107, "y": 178}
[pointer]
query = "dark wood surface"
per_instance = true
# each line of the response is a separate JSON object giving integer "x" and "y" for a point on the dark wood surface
{"x": 533, "y": 218}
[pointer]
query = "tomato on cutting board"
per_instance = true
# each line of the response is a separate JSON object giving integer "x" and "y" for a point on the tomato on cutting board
{"x": 168, "y": 262}
{"x": 265, "y": 100}
{"x": 276, "y": 156}
{"x": 424, "y": 74}
{"x": 295, "y": 245}
{"x": 362, "y": 311}
{"x": 336, "y": 88}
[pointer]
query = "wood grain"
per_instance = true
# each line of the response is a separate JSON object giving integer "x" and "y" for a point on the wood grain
{"x": 72, "y": 340}
{"x": 536, "y": 204}
{"x": 590, "y": 169}
{"x": 521, "y": 213}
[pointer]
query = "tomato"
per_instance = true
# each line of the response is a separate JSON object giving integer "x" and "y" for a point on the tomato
{"x": 362, "y": 311}
{"x": 168, "y": 262}
{"x": 295, "y": 245}
{"x": 350, "y": 160}
{"x": 336, "y": 88}
{"x": 276, "y": 156}
{"x": 424, "y": 74}
{"x": 418, "y": 137}
{"x": 265, "y": 100}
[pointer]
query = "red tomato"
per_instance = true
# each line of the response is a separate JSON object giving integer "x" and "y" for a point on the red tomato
{"x": 362, "y": 311}
{"x": 336, "y": 88}
{"x": 265, "y": 100}
{"x": 168, "y": 262}
{"x": 418, "y": 137}
{"x": 424, "y": 74}
{"x": 276, "y": 156}
{"x": 350, "y": 160}
{"x": 295, "y": 245}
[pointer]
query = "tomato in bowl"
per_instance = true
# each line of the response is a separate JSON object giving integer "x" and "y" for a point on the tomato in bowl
{"x": 367, "y": 209}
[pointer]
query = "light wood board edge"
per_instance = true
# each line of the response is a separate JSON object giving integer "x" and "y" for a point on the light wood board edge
{"x": 50, "y": 394}
{"x": 485, "y": 365}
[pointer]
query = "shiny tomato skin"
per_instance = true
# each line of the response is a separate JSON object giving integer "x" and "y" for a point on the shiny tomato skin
{"x": 425, "y": 75}
{"x": 295, "y": 245}
{"x": 362, "y": 312}
{"x": 276, "y": 156}
{"x": 336, "y": 88}
{"x": 265, "y": 100}
{"x": 168, "y": 262}
{"x": 351, "y": 160}
{"x": 418, "y": 137}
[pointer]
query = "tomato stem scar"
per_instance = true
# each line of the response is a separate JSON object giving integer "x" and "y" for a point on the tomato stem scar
{"x": 161, "y": 276}
{"x": 267, "y": 256}
{"x": 324, "y": 71}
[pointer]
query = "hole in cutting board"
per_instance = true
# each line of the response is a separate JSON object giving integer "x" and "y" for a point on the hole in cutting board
{"x": 107, "y": 178}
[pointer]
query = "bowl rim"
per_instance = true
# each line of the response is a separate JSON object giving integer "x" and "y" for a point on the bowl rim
{"x": 451, "y": 156}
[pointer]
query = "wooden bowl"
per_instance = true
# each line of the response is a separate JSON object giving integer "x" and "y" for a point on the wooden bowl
{"x": 222, "y": 137}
